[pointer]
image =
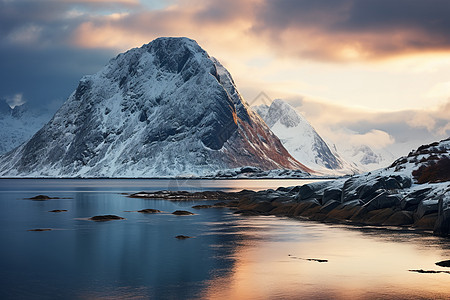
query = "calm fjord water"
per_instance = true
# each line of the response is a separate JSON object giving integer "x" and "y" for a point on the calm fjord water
{"x": 230, "y": 257}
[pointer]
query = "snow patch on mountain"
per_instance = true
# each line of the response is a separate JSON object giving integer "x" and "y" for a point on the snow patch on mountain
{"x": 18, "y": 124}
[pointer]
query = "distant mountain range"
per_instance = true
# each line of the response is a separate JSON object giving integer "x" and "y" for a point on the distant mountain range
{"x": 302, "y": 140}
{"x": 165, "y": 109}
{"x": 306, "y": 145}
{"x": 18, "y": 124}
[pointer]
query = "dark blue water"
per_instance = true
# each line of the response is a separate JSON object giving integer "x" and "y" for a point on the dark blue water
{"x": 229, "y": 257}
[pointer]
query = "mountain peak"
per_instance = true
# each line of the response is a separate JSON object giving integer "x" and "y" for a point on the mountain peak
{"x": 165, "y": 109}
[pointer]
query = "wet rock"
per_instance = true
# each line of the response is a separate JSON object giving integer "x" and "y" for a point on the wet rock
{"x": 305, "y": 205}
{"x": 183, "y": 237}
{"x": 427, "y": 207}
{"x": 282, "y": 210}
{"x": 368, "y": 191}
{"x": 400, "y": 218}
{"x": 331, "y": 194}
{"x": 329, "y": 206}
{"x": 444, "y": 263}
{"x": 149, "y": 211}
{"x": 344, "y": 211}
{"x": 57, "y": 210}
{"x": 427, "y": 222}
{"x": 429, "y": 271}
{"x": 40, "y": 229}
{"x": 246, "y": 212}
{"x": 383, "y": 200}
{"x": 202, "y": 206}
{"x": 263, "y": 207}
{"x": 182, "y": 213}
{"x": 106, "y": 218}
{"x": 379, "y": 216}
{"x": 442, "y": 226}
{"x": 412, "y": 200}
{"x": 40, "y": 198}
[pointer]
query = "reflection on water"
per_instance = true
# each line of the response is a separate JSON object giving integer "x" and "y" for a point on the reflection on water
{"x": 229, "y": 257}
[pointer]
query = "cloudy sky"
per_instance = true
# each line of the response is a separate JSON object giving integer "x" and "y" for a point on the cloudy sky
{"x": 362, "y": 71}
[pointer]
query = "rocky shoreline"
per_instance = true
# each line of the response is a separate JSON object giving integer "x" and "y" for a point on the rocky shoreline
{"x": 414, "y": 192}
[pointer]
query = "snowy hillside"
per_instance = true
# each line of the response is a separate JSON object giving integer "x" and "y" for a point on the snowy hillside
{"x": 165, "y": 109}
{"x": 18, "y": 125}
{"x": 301, "y": 139}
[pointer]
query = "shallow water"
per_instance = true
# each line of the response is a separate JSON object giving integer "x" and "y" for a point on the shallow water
{"x": 229, "y": 257}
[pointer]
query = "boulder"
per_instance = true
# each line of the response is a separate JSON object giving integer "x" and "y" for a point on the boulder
{"x": 427, "y": 222}
{"x": 182, "y": 237}
{"x": 426, "y": 207}
{"x": 379, "y": 216}
{"x": 106, "y": 218}
{"x": 442, "y": 226}
{"x": 182, "y": 213}
{"x": 392, "y": 184}
{"x": 412, "y": 200}
{"x": 149, "y": 211}
{"x": 331, "y": 194}
{"x": 383, "y": 200}
{"x": 369, "y": 190}
{"x": 400, "y": 218}
{"x": 329, "y": 206}
{"x": 305, "y": 205}
{"x": 349, "y": 189}
{"x": 404, "y": 181}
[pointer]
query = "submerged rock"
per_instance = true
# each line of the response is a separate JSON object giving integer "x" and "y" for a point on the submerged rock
{"x": 201, "y": 206}
{"x": 40, "y": 229}
{"x": 106, "y": 218}
{"x": 57, "y": 210}
{"x": 149, "y": 211}
{"x": 182, "y": 213}
{"x": 183, "y": 237}
{"x": 444, "y": 263}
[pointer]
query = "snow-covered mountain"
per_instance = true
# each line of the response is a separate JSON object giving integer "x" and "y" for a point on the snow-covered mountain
{"x": 165, "y": 109}
{"x": 18, "y": 125}
{"x": 365, "y": 157}
{"x": 301, "y": 139}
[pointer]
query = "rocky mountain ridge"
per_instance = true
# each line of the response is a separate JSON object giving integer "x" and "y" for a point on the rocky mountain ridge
{"x": 165, "y": 109}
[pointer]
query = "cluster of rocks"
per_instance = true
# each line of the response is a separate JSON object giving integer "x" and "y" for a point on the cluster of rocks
{"x": 387, "y": 201}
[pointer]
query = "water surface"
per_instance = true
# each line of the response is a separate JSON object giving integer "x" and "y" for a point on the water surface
{"x": 229, "y": 257}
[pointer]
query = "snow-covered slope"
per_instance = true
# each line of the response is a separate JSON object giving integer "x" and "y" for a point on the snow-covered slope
{"x": 365, "y": 157}
{"x": 18, "y": 125}
{"x": 165, "y": 109}
{"x": 301, "y": 139}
